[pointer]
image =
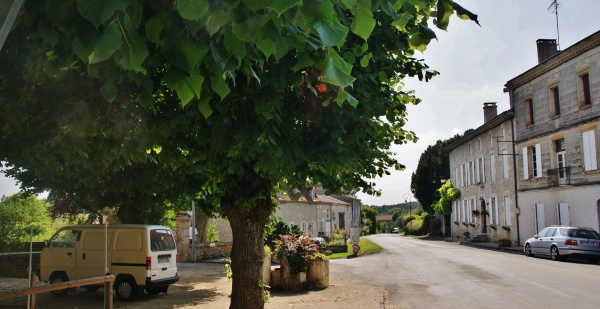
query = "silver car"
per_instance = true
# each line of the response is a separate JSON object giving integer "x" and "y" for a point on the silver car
{"x": 559, "y": 242}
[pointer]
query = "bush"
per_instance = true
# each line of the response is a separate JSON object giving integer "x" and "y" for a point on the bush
{"x": 296, "y": 249}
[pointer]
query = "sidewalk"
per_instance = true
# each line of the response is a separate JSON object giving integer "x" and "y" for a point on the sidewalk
{"x": 487, "y": 245}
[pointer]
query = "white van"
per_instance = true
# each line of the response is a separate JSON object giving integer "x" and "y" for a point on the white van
{"x": 139, "y": 256}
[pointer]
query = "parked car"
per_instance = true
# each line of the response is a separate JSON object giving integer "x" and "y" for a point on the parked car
{"x": 319, "y": 241}
{"x": 559, "y": 242}
{"x": 395, "y": 230}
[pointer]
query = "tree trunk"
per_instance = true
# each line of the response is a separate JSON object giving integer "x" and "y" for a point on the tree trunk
{"x": 247, "y": 253}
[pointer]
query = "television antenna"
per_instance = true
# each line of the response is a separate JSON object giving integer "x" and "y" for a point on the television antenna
{"x": 554, "y": 5}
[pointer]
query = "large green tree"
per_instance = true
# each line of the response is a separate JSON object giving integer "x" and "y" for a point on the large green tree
{"x": 432, "y": 170}
{"x": 231, "y": 100}
{"x": 23, "y": 214}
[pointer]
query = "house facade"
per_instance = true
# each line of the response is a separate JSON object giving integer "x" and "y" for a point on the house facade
{"x": 557, "y": 120}
{"x": 482, "y": 168}
{"x": 315, "y": 213}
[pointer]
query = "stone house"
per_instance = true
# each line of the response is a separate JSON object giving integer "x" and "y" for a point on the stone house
{"x": 482, "y": 168}
{"x": 557, "y": 115}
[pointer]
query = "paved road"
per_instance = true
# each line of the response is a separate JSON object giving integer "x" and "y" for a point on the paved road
{"x": 437, "y": 274}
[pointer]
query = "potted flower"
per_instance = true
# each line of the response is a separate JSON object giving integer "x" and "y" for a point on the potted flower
{"x": 465, "y": 224}
{"x": 506, "y": 227}
{"x": 294, "y": 252}
{"x": 485, "y": 213}
{"x": 493, "y": 226}
{"x": 456, "y": 223}
{"x": 475, "y": 213}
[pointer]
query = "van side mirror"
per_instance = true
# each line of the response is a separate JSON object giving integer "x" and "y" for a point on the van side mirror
{"x": 536, "y": 236}
{"x": 46, "y": 243}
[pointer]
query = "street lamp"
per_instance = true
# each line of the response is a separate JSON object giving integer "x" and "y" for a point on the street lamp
{"x": 105, "y": 213}
{"x": 409, "y": 203}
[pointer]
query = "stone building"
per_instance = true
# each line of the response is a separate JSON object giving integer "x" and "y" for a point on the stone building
{"x": 557, "y": 115}
{"x": 482, "y": 168}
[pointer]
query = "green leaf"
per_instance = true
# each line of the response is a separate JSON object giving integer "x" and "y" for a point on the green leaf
{"x": 402, "y": 21}
{"x": 196, "y": 82}
{"x": 363, "y": 23}
{"x": 420, "y": 40}
{"x": 267, "y": 47}
{"x": 109, "y": 91}
{"x": 187, "y": 55}
{"x": 234, "y": 46}
{"x": 444, "y": 11}
{"x": 153, "y": 29}
{"x": 335, "y": 70}
{"x": 192, "y": 9}
{"x": 97, "y": 12}
{"x": 204, "y": 106}
{"x": 280, "y": 6}
{"x": 219, "y": 86}
{"x": 185, "y": 93}
{"x": 137, "y": 48}
{"x": 464, "y": 13}
{"x": 174, "y": 77}
{"x": 107, "y": 44}
{"x": 318, "y": 9}
{"x": 80, "y": 50}
{"x": 330, "y": 34}
{"x": 215, "y": 21}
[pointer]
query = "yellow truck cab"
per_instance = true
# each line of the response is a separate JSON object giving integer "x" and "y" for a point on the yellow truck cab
{"x": 139, "y": 256}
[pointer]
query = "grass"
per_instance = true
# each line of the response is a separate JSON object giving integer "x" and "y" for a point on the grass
{"x": 366, "y": 247}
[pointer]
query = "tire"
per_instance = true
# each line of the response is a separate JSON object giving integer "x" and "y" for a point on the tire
{"x": 554, "y": 254}
{"x": 126, "y": 288}
{"x": 528, "y": 250}
{"x": 153, "y": 291}
{"x": 594, "y": 260}
{"x": 58, "y": 277}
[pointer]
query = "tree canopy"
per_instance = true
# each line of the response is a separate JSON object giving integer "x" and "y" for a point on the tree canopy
{"x": 134, "y": 103}
{"x": 22, "y": 214}
{"x": 448, "y": 194}
{"x": 433, "y": 167}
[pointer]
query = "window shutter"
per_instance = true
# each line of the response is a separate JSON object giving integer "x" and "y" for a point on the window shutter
{"x": 525, "y": 165}
{"x": 589, "y": 150}
{"x": 538, "y": 160}
{"x": 483, "y": 168}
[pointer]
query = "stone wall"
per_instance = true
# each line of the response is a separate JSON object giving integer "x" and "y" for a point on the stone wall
{"x": 15, "y": 264}
{"x": 215, "y": 250}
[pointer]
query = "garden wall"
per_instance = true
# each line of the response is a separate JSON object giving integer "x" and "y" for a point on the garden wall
{"x": 14, "y": 265}
{"x": 216, "y": 250}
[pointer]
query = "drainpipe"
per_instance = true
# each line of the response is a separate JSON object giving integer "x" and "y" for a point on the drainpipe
{"x": 512, "y": 127}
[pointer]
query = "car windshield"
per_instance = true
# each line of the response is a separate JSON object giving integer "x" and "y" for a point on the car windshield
{"x": 578, "y": 233}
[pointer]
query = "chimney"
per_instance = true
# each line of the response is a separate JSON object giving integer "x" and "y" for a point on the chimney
{"x": 490, "y": 110}
{"x": 546, "y": 48}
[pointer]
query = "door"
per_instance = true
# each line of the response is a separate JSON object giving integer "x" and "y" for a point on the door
{"x": 90, "y": 258}
{"x": 342, "y": 220}
{"x": 562, "y": 213}
{"x": 562, "y": 172}
{"x": 546, "y": 241}
{"x": 60, "y": 254}
{"x": 537, "y": 242}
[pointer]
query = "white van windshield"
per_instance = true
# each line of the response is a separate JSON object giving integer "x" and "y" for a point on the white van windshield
{"x": 161, "y": 240}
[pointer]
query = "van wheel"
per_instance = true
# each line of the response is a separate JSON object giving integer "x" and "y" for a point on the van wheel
{"x": 58, "y": 277}
{"x": 153, "y": 291}
{"x": 126, "y": 288}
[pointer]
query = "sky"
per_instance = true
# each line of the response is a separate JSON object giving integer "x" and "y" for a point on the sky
{"x": 474, "y": 64}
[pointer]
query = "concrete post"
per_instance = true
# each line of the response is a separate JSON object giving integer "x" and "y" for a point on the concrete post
{"x": 182, "y": 230}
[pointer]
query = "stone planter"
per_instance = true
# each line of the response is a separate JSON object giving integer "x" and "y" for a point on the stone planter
{"x": 338, "y": 249}
{"x": 291, "y": 280}
{"x": 266, "y": 270}
{"x": 317, "y": 274}
{"x": 504, "y": 243}
{"x": 275, "y": 275}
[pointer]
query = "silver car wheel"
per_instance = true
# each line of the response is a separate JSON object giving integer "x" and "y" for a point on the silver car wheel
{"x": 528, "y": 250}
{"x": 554, "y": 255}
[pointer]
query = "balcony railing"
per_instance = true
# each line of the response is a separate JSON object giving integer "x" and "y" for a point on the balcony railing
{"x": 559, "y": 176}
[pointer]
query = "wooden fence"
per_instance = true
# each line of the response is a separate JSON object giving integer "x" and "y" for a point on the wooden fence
{"x": 108, "y": 282}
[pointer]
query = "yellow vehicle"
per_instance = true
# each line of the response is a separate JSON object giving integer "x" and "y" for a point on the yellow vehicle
{"x": 139, "y": 256}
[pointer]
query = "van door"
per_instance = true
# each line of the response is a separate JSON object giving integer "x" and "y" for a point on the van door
{"x": 163, "y": 254}
{"x": 60, "y": 253}
{"x": 90, "y": 258}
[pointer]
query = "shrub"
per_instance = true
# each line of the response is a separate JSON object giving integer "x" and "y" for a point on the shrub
{"x": 212, "y": 235}
{"x": 296, "y": 249}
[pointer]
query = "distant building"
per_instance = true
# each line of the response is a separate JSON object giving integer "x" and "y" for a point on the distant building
{"x": 557, "y": 116}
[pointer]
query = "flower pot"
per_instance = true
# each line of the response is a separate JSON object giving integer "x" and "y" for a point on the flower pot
{"x": 275, "y": 276}
{"x": 317, "y": 273}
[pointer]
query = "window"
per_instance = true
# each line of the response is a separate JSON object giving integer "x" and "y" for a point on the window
{"x": 473, "y": 207}
{"x": 464, "y": 211}
{"x": 529, "y": 112}
{"x": 590, "y": 162}
{"x": 491, "y": 140}
{"x": 554, "y": 101}
{"x": 507, "y": 210}
{"x": 494, "y": 211}
{"x": 505, "y": 164}
{"x": 479, "y": 144}
{"x": 585, "y": 96}
{"x": 532, "y": 161}
{"x": 492, "y": 169}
